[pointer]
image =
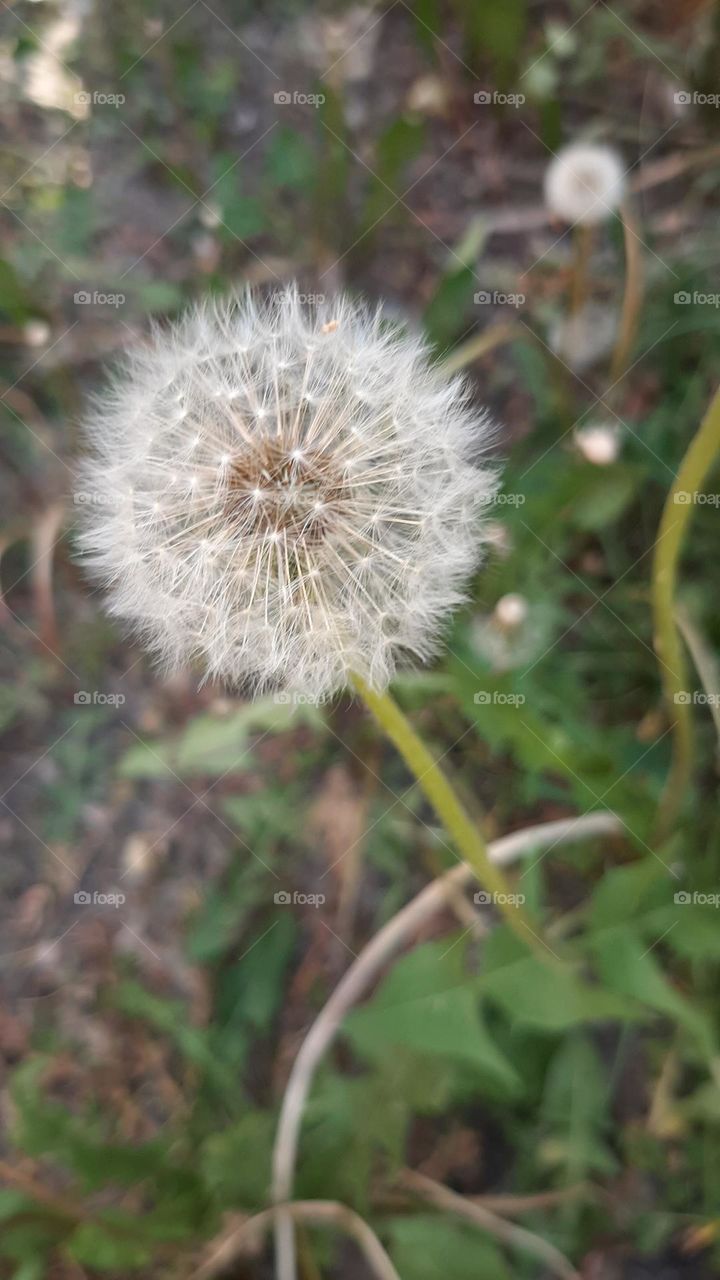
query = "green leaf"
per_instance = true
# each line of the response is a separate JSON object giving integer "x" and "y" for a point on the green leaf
{"x": 627, "y": 966}
{"x": 170, "y": 1018}
{"x": 546, "y": 996}
{"x": 235, "y": 1163}
{"x": 290, "y": 160}
{"x": 601, "y": 494}
{"x": 95, "y": 1247}
{"x": 445, "y": 314}
{"x": 13, "y": 296}
{"x": 13, "y": 1202}
{"x": 428, "y": 1247}
{"x": 212, "y": 744}
{"x": 575, "y": 1119}
{"x": 250, "y": 991}
{"x": 427, "y": 1004}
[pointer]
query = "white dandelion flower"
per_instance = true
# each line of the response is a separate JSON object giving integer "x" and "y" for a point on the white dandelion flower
{"x": 285, "y": 496}
{"x": 584, "y": 183}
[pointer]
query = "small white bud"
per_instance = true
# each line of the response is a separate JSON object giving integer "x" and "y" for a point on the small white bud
{"x": 599, "y": 445}
{"x": 511, "y": 611}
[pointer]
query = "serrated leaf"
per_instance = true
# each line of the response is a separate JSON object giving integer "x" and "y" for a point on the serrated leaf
{"x": 627, "y": 965}
{"x": 427, "y": 1004}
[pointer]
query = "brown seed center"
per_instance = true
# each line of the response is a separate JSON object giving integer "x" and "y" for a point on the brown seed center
{"x": 293, "y": 491}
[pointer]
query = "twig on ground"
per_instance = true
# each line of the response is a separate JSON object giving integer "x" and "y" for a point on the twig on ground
{"x": 517, "y": 1237}
{"x": 329, "y": 1213}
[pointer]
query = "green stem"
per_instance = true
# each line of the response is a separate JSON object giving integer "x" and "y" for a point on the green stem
{"x": 459, "y": 826}
{"x": 479, "y": 346}
{"x": 675, "y": 517}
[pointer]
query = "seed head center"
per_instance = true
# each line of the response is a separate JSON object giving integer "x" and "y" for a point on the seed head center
{"x": 287, "y": 490}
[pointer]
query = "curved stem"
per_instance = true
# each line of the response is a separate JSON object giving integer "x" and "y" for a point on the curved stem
{"x": 455, "y": 819}
{"x": 675, "y": 517}
{"x": 365, "y": 969}
{"x": 322, "y": 1213}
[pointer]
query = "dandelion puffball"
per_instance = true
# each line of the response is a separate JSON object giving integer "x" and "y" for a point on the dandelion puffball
{"x": 285, "y": 496}
{"x": 584, "y": 183}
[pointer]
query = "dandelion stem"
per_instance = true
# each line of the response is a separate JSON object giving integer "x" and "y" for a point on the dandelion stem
{"x": 676, "y": 514}
{"x": 583, "y": 241}
{"x": 632, "y": 299}
{"x": 458, "y": 824}
{"x": 479, "y": 346}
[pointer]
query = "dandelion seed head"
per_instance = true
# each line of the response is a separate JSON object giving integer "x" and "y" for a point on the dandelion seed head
{"x": 584, "y": 183}
{"x": 309, "y": 533}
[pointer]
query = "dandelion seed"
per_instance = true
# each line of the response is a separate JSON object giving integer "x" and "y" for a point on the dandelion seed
{"x": 342, "y": 532}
